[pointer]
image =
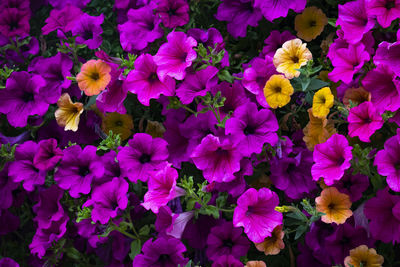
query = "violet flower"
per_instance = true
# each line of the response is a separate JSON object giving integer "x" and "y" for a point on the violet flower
{"x": 14, "y": 22}
{"x": 88, "y": 30}
{"x": 385, "y": 11}
{"x": 7, "y": 186}
{"x": 64, "y": 19}
{"x": 173, "y": 13}
{"x": 388, "y": 54}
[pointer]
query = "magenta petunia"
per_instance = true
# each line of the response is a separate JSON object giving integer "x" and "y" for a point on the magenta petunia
{"x": 331, "y": 159}
{"x": 383, "y": 211}
{"x": 175, "y": 56}
{"x": 173, "y": 13}
{"x": 352, "y": 185}
{"x": 63, "y": 19}
{"x": 23, "y": 169}
{"x": 8, "y": 262}
{"x": 107, "y": 199}
{"x": 388, "y": 162}
{"x": 347, "y": 62}
{"x": 14, "y": 22}
{"x": 78, "y": 169}
{"x": 385, "y": 11}
{"x": 364, "y": 120}
{"x": 48, "y": 155}
{"x": 146, "y": 83}
{"x": 59, "y": 4}
{"x": 7, "y": 186}
{"x": 252, "y": 128}
{"x": 112, "y": 98}
{"x": 384, "y": 88}
{"x": 388, "y": 54}
{"x": 255, "y": 211}
{"x": 88, "y": 30}
{"x": 172, "y": 224}
{"x": 162, "y": 188}
{"x": 239, "y": 14}
{"x": 354, "y": 20}
{"x": 273, "y": 9}
{"x": 197, "y": 84}
{"x": 218, "y": 158}
{"x": 143, "y": 155}
{"x": 227, "y": 260}
{"x": 275, "y": 40}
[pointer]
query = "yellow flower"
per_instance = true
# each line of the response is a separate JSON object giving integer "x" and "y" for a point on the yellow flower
{"x": 334, "y": 204}
{"x": 322, "y": 102}
{"x": 255, "y": 264}
{"x": 356, "y": 95}
{"x": 361, "y": 254}
{"x": 274, "y": 244}
{"x": 310, "y": 23}
{"x": 155, "y": 129}
{"x": 68, "y": 113}
{"x": 317, "y": 130}
{"x": 277, "y": 91}
{"x": 121, "y": 124}
{"x": 94, "y": 77}
{"x": 293, "y": 55}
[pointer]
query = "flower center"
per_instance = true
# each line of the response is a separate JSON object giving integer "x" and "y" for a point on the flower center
{"x": 340, "y": 161}
{"x": 144, "y": 158}
{"x": 331, "y": 206}
{"x": 278, "y": 89}
{"x": 163, "y": 258}
{"x": 153, "y": 77}
{"x": 172, "y": 12}
{"x": 27, "y": 97}
{"x": 119, "y": 123}
{"x": 313, "y": 23}
{"x": 87, "y": 34}
{"x": 389, "y": 5}
{"x": 228, "y": 243}
{"x": 248, "y": 130}
{"x": 83, "y": 171}
{"x": 95, "y": 76}
{"x": 13, "y": 25}
{"x": 295, "y": 59}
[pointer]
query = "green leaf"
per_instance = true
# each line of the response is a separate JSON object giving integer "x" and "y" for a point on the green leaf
{"x": 73, "y": 253}
{"x": 300, "y": 231}
{"x": 145, "y": 230}
{"x": 332, "y": 22}
{"x": 190, "y": 204}
{"x": 136, "y": 247}
{"x": 224, "y": 75}
{"x": 189, "y": 264}
{"x": 316, "y": 84}
{"x": 210, "y": 210}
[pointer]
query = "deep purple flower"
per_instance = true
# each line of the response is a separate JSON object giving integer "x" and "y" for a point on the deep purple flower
{"x": 88, "y": 30}
{"x": 352, "y": 185}
{"x": 364, "y": 120}
{"x": 292, "y": 174}
{"x": 19, "y": 4}
{"x": 107, "y": 199}
{"x": 7, "y": 185}
{"x": 227, "y": 260}
{"x": 306, "y": 257}
{"x": 59, "y": 4}
{"x": 197, "y": 84}
{"x": 23, "y": 169}
{"x": 239, "y": 14}
{"x": 142, "y": 28}
{"x": 25, "y": 94}
{"x": 64, "y": 19}
{"x": 383, "y": 211}
{"x": 111, "y": 168}
{"x": 225, "y": 239}
{"x": 143, "y": 155}
{"x": 234, "y": 94}
{"x": 347, "y": 62}
{"x": 55, "y": 71}
{"x": 384, "y": 88}
{"x": 354, "y": 20}
{"x": 112, "y": 98}
{"x": 49, "y": 208}
{"x": 162, "y": 252}
{"x": 77, "y": 170}
{"x": 162, "y": 188}
{"x": 388, "y": 162}
{"x": 388, "y": 54}
{"x": 26, "y": 50}
{"x": 8, "y": 222}
{"x": 91, "y": 232}
{"x": 331, "y": 158}
{"x": 8, "y": 262}
{"x": 173, "y": 13}
{"x": 252, "y": 128}
{"x": 385, "y": 11}
{"x": 48, "y": 155}
{"x": 145, "y": 81}
{"x": 172, "y": 224}
{"x": 274, "y": 41}
{"x": 315, "y": 239}
{"x": 255, "y": 211}
{"x": 197, "y": 230}
{"x": 14, "y": 22}
{"x": 272, "y": 9}
{"x": 175, "y": 56}
{"x": 218, "y": 158}
{"x": 12, "y": 140}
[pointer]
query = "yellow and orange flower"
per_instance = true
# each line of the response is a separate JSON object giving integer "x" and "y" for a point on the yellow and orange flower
{"x": 362, "y": 254}
{"x": 356, "y": 95}
{"x": 291, "y": 56}
{"x": 94, "y": 77}
{"x": 334, "y": 204}
{"x": 255, "y": 264}
{"x": 121, "y": 124}
{"x": 155, "y": 129}
{"x": 322, "y": 102}
{"x": 310, "y": 23}
{"x": 274, "y": 244}
{"x": 317, "y": 130}
{"x": 277, "y": 91}
{"x": 68, "y": 113}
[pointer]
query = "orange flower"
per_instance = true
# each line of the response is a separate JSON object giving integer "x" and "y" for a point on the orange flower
{"x": 121, "y": 124}
{"x": 335, "y": 205}
{"x": 317, "y": 130}
{"x": 356, "y": 95}
{"x": 272, "y": 245}
{"x": 94, "y": 77}
{"x": 255, "y": 264}
{"x": 310, "y": 23}
{"x": 361, "y": 254}
{"x": 68, "y": 113}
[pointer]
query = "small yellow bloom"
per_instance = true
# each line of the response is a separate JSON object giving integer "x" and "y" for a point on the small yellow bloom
{"x": 155, "y": 129}
{"x": 68, "y": 113}
{"x": 335, "y": 205}
{"x": 277, "y": 91}
{"x": 255, "y": 264}
{"x": 356, "y": 95}
{"x": 322, "y": 102}
{"x": 274, "y": 244}
{"x": 361, "y": 254}
{"x": 121, "y": 124}
{"x": 94, "y": 77}
{"x": 310, "y": 23}
{"x": 291, "y": 56}
{"x": 317, "y": 130}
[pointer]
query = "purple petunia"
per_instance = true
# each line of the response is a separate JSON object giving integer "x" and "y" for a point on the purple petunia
{"x": 173, "y": 13}
{"x": 14, "y": 22}
{"x": 227, "y": 260}
{"x": 172, "y": 224}
{"x": 175, "y": 56}
{"x": 385, "y": 11}
{"x": 7, "y": 185}
{"x": 273, "y": 9}
{"x": 146, "y": 83}
{"x": 275, "y": 40}
{"x": 388, "y": 54}
{"x": 255, "y": 211}
{"x": 107, "y": 199}
{"x": 352, "y": 185}
{"x": 63, "y": 19}
{"x": 331, "y": 158}
{"x": 143, "y": 155}
{"x": 88, "y": 30}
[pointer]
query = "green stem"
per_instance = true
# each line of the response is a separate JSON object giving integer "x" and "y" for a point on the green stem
{"x": 126, "y": 233}
{"x": 226, "y": 210}
{"x": 189, "y": 109}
